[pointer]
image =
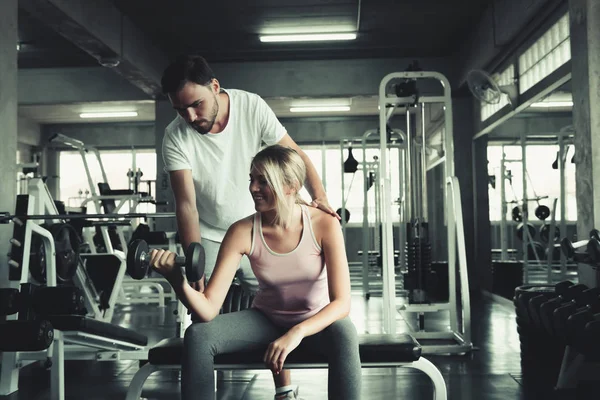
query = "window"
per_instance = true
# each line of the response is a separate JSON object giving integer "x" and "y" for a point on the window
{"x": 546, "y": 55}
{"x": 75, "y": 186}
{"x": 542, "y": 179}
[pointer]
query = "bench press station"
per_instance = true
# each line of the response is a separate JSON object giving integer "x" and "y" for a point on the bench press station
{"x": 62, "y": 337}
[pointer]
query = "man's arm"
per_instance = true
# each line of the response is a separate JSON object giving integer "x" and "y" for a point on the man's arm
{"x": 313, "y": 183}
{"x": 186, "y": 211}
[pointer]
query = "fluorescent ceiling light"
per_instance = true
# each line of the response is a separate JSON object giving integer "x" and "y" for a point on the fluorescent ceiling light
{"x": 109, "y": 114}
{"x": 320, "y": 109}
{"x": 552, "y": 104}
{"x": 308, "y": 37}
{"x": 321, "y": 102}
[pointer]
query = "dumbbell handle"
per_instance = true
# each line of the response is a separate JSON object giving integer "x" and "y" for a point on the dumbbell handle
{"x": 580, "y": 243}
{"x": 180, "y": 261}
{"x": 138, "y": 260}
{"x": 195, "y": 267}
{"x": 569, "y": 247}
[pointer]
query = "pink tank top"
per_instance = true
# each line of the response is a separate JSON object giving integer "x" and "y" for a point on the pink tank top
{"x": 292, "y": 286}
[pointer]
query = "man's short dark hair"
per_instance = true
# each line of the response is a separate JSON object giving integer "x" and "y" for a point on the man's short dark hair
{"x": 186, "y": 68}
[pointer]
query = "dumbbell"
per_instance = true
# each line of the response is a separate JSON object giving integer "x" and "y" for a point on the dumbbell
{"x": 592, "y": 248}
{"x": 590, "y": 343}
{"x": 569, "y": 248}
{"x": 562, "y": 290}
{"x": 562, "y": 313}
{"x": 138, "y": 260}
{"x": 576, "y": 322}
{"x": 576, "y": 296}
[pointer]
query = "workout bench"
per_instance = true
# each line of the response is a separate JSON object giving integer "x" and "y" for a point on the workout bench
{"x": 376, "y": 351}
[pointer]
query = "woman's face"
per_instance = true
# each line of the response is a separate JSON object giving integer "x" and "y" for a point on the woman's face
{"x": 263, "y": 196}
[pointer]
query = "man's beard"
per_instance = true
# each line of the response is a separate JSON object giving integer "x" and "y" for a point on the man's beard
{"x": 204, "y": 126}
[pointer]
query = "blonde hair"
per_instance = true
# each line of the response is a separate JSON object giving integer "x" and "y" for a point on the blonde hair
{"x": 282, "y": 167}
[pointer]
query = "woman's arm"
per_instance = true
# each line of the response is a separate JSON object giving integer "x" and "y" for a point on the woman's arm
{"x": 338, "y": 277}
{"x": 207, "y": 304}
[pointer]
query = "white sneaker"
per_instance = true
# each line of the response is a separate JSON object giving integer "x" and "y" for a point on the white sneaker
{"x": 289, "y": 395}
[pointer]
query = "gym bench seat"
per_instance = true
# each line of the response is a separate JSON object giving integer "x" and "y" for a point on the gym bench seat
{"x": 77, "y": 337}
{"x": 93, "y": 333}
{"x": 376, "y": 351}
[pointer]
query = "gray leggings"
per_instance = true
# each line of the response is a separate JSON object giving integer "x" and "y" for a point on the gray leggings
{"x": 251, "y": 330}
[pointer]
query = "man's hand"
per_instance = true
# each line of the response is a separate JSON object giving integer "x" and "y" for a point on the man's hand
{"x": 278, "y": 350}
{"x": 323, "y": 204}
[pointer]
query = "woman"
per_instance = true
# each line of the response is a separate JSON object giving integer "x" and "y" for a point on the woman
{"x": 297, "y": 254}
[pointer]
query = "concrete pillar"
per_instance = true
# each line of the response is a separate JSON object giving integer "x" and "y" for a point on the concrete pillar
{"x": 52, "y": 166}
{"x": 164, "y": 116}
{"x": 464, "y": 130}
{"x": 8, "y": 122}
{"x": 585, "y": 55}
{"x": 482, "y": 247}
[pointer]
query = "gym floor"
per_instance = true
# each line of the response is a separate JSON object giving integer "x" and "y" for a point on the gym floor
{"x": 491, "y": 371}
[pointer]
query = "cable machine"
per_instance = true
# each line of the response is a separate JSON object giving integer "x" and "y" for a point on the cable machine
{"x": 413, "y": 211}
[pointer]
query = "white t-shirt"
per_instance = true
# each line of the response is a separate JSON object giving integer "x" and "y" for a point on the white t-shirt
{"x": 220, "y": 163}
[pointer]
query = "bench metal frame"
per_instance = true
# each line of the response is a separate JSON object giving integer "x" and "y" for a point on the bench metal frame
{"x": 422, "y": 364}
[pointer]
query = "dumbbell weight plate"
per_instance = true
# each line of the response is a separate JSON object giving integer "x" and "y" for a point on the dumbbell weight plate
{"x": 545, "y": 233}
{"x": 194, "y": 262}
{"x": 516, "y": 214}
{"x": 542, "y": 212}
{"x": 567, "y": 248}
{"x": 137, "y": 259}
{"x": 593, "y": 249}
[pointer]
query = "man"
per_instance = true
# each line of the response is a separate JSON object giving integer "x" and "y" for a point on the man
{"x": 207, "y": 150}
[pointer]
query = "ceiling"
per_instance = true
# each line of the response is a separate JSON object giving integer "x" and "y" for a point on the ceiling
{"x": 228, "y": 31}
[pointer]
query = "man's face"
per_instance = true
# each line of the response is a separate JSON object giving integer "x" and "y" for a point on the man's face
{"x": 197, "y": 104}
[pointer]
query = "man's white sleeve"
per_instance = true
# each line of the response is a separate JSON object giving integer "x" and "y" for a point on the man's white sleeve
{"x": 173, "y": 155}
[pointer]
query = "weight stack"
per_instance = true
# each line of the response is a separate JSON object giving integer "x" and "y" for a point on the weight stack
{"x": 418, "y": 279}
{"x": 541, "y": 354}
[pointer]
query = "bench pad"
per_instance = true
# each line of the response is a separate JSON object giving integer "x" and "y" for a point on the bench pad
{"x": 373, "y": 349}
{"x": 95, "y": 327}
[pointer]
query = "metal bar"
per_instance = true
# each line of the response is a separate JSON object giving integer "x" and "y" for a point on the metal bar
{"x": 365, "y": 230}
{"x": 424, "y": 99}
{"x": 387, "y": 250}
{"x": 563, "y": 199}
{"x": 503, "y": 210}
{"x": 8, "y": 218}
{"x": 424, "y": 209}
{"x": 525, "y": 212}
{"x": 409, "y": 168}
{"x": 454, "y": 189}
{"x": 57, "y": 371}
{"x": 97, "y": 153}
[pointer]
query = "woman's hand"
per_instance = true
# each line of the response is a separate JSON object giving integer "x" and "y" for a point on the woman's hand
{"x": 163, "y": 262}
{"x": 278, "y": 350}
